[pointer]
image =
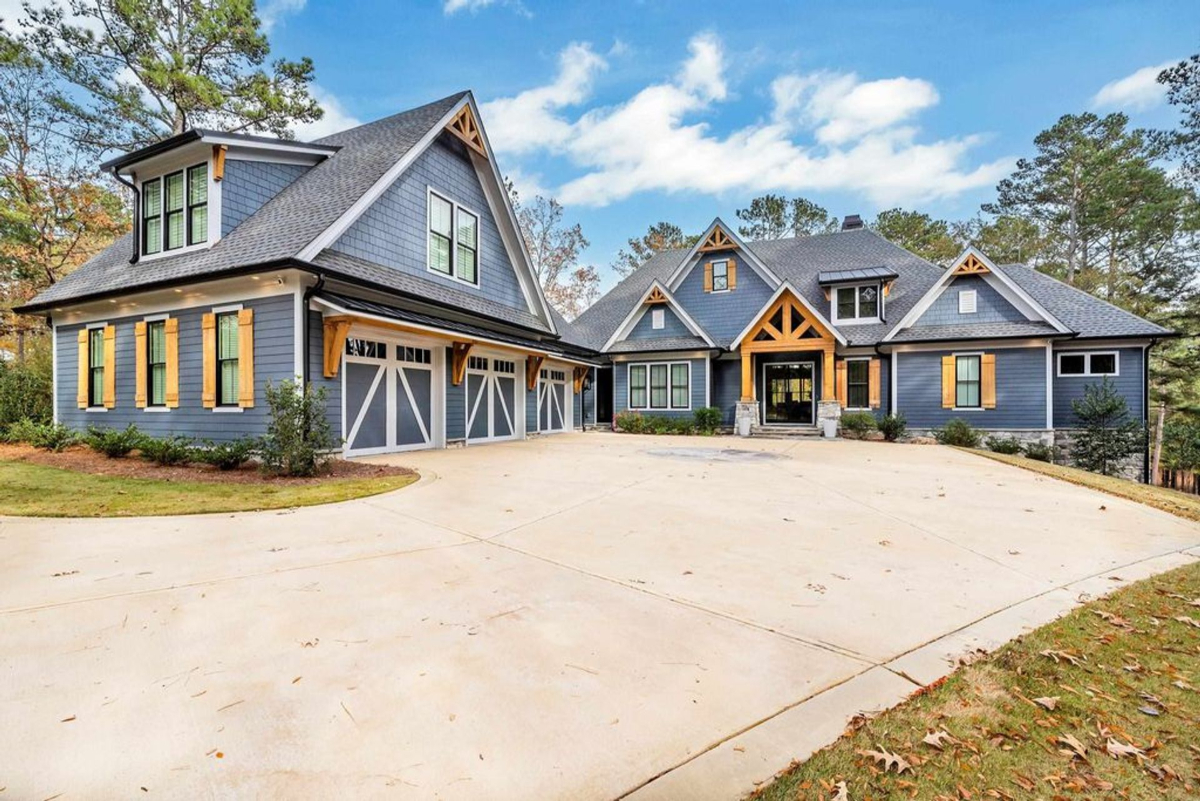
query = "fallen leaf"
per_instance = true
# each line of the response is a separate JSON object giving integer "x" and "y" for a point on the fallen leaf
{"x": 1048, "y": 702}
{"x": 1149, "y": 710}
{"x": 840, "y": 792}
{"x": 67, "y": 720}
{"x": 1190, "y": 621}
{"x": 1024, "y": 782}
{"x": 888, "y": 759}
{"x": 1062, "y": 656}
{"x": 1076, "y": 748}
{"x": 937, "y": 739}
{"x": 1117, "y": 749}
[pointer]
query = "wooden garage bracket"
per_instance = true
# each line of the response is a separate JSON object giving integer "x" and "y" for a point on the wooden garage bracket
{"x": 336, "y": 331}
{"x": 533, "y": 366}
{"x": 581, "y": 373}
{"x": 458, "y": 368}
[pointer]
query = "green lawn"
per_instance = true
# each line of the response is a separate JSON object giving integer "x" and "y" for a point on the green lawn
{"x": 37, "y": 490}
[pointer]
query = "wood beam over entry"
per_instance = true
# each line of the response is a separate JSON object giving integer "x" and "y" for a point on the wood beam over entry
{"x": 787, "y": 326}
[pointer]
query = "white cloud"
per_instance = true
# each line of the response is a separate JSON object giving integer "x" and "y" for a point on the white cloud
{"x": 827, "y": 132}
{"x": 454, "y": 6}
{"x": 336, "y": 117}
{"x": 1137, "y": 92}
{"x": 273, "y": 11}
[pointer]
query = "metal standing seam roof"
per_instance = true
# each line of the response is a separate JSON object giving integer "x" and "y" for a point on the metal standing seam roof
{"x": 866, "y": 273}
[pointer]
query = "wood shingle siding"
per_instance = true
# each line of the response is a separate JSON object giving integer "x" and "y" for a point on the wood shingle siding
{"x": 990, "y": 306}
{"x": 316, "y": 376}
{"x": 1020, "y": 389}
{"x": 672, "y": 325}
{"x": 723, "y": 314}
{"x": 248, "y": 185}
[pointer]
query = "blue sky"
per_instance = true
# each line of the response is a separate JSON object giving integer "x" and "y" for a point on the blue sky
{"x": 633, "y": 112}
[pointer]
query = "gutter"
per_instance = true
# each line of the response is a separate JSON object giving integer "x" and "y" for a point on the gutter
{"x": 137, "y": 218}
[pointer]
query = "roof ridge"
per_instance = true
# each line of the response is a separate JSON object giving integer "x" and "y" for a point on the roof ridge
{"x": 450, "y": 99}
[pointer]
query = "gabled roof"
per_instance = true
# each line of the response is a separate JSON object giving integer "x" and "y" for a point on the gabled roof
{"x": 786, "y": 287}
{"x": 635, "y": 314}
{"x": 717, "y": 230}
{"x": 1086, "y": 315}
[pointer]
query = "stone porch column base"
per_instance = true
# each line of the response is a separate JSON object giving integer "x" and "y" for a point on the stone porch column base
{"x": 745, "y": 418}
{"x": 829, "y": 410}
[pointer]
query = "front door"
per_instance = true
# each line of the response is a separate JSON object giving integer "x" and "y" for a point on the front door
{"x": 788, "y": 393}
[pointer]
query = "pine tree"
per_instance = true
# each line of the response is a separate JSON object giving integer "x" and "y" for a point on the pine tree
{"x": 1108, "y": 435}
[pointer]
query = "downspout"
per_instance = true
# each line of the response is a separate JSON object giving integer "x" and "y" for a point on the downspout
{"x": 1146, "y": 412}
{"x": 137, "y": 216}
{"x": 891, "y": 378}
{"x": 304, "y": 328}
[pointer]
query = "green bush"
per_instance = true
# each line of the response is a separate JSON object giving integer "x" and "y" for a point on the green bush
{"x": 1109, "y": 435}
{"x": 1009, "y": 445}
{"x": 958, "y": 432}
{"x": 631, "y": 422}
{"x": 1041, "y": 451}
{"x": 48, "y": 436}
{"x": 115, "y": 443}
{"x": 167, "y": 451}
{"x": 26, "y": 392}
{"x": 228, "y": 455}
{"x": 637, "y": 423}
{"x": 707, "y": 419}
{"x": 892, "y": 426}
{"x": 299, "y": 440}
{"x": 858, "y": 424}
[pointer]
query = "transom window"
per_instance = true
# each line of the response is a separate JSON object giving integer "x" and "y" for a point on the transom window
{"x": 660, "y": 385}
{"x": 858, "y": 383}
{"x": 414, "y": 355}
{"x": 156, "y": 360}
{"x": 503, "y": 366}
{"x": 967, "y": 382}
{"x": 453, "y": 240}
{"x": 227, "y": 359}
{"x": 856, "y": 302}
{"x": 366, "y": 348}
{"x": 96, "y": 367}
{"x": 175, "y": 210}
{"x": 477, "y": 363}
{"x": 1088, "y": 364}
{"x": 720, "y": 276}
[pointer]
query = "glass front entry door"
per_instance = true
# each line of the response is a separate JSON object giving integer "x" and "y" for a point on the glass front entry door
{"x": 788, "y": 393}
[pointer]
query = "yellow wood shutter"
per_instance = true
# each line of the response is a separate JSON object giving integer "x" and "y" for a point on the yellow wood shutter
{"x": 840, "y": 371}
{"x": 110, "y": 366}
{"x": 208, "y": 329}
{"x": 246, "y": 358}
{"x": 140, "y": 359}
{"x": 172, "y": 337}
{"x": 81, "y": 392}
{"x": 987, "y": 383}
{"x": 948, "y": 379}
{"x": 708, "y": 276}
{"x": 732, "y": 274}
{"x": 874, "y": 383}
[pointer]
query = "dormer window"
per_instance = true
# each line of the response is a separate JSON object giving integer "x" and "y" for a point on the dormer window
{"x": 175, "y": 210}
{"x": 856, "y": 304}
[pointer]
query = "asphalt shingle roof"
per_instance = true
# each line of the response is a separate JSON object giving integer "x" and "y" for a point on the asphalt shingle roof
{"x": 996, "y": 330}
{"x": 660, "y": 344}
{"x": 1088, "y": 316}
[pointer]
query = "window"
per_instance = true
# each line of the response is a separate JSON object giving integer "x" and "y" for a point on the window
{"x": 152, "y": 217}
{"x": 966, "y": 301}
{"x": 365, "y": 348}
{"x": 680, "y": 386}
{"x": 720, "y": 276}
{"x": 658, "y": 319}
{"x": 173, "y": 208}
{"x": 1100, "y": 363}
{"x": 858, "y": 383}
{"x": 856, "y": 303}
{"x": 502, "y": 366}
{"x": 414, "y": 355}
{"x": 659, "y": 386}
{"x": 637, "y": 386}
{"x": 453, "y": 240}
{"x": 227, "y": 359}
{"x": 477, "y": 363}
{"x": 96, "y": 367}
{"x": 197, "y": 210}
{"x": 156, "y": 361}
{"x": 967, "y": 382}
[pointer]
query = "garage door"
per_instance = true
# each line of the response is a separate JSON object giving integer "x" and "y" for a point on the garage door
{"x": 388, "y": 396}
{"x": 552, "y": 401}
{"x": 491, "y": 398}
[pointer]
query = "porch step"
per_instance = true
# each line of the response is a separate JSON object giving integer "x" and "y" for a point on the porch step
{"x": 787, "y": 432}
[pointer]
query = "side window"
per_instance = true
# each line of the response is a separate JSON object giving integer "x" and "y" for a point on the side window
{"x": 846, "y": 303}
{"x": 197, "y": 222}
{"x": 156, "y": 362}
{"x": 967, "y": 382}
{"x": 441, "y": 231}
{"x": 173, "y": 203}
{"x": 227, "y": 359}
{"x": 152, "y": 217}
{"x": 680, "y": 386}
{"x": 96, "y": 367}
{"x": 467, "y": 267}
{"x": 858, "y": 383}
{"x": 174, "y": 211}
{"x": 720, "y": 276}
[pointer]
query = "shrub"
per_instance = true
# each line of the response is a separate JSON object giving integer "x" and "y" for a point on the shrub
{"x": 707, "y": 419}
{"x": 1108, "y": 436}
{"x": 1041, "y": 451}
{"x": 631, "y": 422}
{"x": 1009, "y": 445}
{"x": 858, "y": 424}
{"x": 26, "y": 392}
{"x": 637, "y": 423}
{"x": 167, "y": 451}
{"x": 299, "y": 441}
{"x": 958, "y": 432}
{"x": 228, "y": 455}
{"x": 1181, "y": 444}
{"x": 48, "y": 436}
{"x": 115, "y": 443}
{"x": 892, "y": 426}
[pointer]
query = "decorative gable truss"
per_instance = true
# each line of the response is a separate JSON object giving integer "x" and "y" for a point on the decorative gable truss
{"x": 970, "y": 264}
{"x": 466, "y": 128}
{"x": 656, "y": 295}
{"x": 716, "y": 238}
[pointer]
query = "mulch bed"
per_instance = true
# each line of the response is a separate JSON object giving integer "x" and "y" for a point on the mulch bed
{"x": 84, "y": 460}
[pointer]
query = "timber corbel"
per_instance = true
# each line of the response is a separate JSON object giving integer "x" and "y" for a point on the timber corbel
{"x": 336, "y": 331}
{"x": 533, "y": 365}
{"x": 458, "y": 368}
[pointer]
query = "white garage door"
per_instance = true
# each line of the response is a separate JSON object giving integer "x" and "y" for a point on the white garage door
{"x": 553, "y": 401}
{"x": 491, "y": 398}
{"x": 388, "y": 396}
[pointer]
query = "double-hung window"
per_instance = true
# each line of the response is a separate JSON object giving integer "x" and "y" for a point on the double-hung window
{"x": 720, "y": 276}
{"x": 96, "y": 367}
{"x": 227, "y": 359}
{"x": 152, "y": 217}
{"x": 660, "y": 385}
{"x": 173, "y": 220}
{"x": 637, "y": 386}
{"x": 858, "y": 383}
{"x": 197, "y": 205}
{"x": 968, "y": 382}
{"x": 174, "y": 210}
{"x": 680, "y": 388}
{"x": 156, "y": 362}
{"x": 453, "y": 240}
{"x": 856, "y": 303}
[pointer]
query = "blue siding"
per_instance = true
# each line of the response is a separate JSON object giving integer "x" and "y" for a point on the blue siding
{"x": 621, "y": 387}
{"x": 723, "y": 315}
{"x": 316, "y": 373}
{"x": 1130, "y": 383}
{"x": 274, "y": 360}
{"x": 990, "y": 305}
{"x": 727, "y": 387}
{"x": 531, "y": 409}
{"x": 1020, "y": 390}
{"x": 393, "y": 231}
{"x": 250, "y": 184}
{"x": 456, "y": 404}
{"x": 672, "y": 325}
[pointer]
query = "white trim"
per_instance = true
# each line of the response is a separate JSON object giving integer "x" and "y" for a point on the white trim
{"x": 490, "y": 388}
{"x": 856, "y": 320}
{"x": 893, "y": 384}
{"x": 54, "y": 369}
{"x": 658, "y": 318}
{"x": 948, "y": 345}
{"x": 300, "y": 346}
{"x": 232, "y": 307}
{"x": 708, "y": 380}
{"x": 227, "y": 410}
{"x": 803, "y": 302}
{"x": 1049, "y": 386}
{"x": 762, "y": 405}
{"x": 212, "y": 204}
{"x": 980, "y": 407}
{"x": 455, "y": 208}
{"x": 648, "y": 408}
{"x": 150, "y": 318}
{"x": 659, "y": 355}
{"x": 1102, "y": 344}
{"x": 639, "y": 309}
{"x": 394, "y": 374}
{"x": 685, "y": 267}
{"x": 1087, "y": 363}
{"x": 282, "y": 145}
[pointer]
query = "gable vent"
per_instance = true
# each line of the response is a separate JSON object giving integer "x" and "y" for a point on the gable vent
{"x": 852, "y": 222}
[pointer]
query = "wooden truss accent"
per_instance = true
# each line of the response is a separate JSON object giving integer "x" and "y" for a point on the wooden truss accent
{"x": 533, "y": 366}
{"x": 465, "y": 128}
{"x": 219, "y": 162}
{"x": 458, "y": 367}
{"x": 581, "y": 373}
{"x": 718, "y": 240}
{"x": 971, "y": 265}
{"x": 337, "y": 328}
{"x": 787, "y": 325}
{"x": 656, "y": 296}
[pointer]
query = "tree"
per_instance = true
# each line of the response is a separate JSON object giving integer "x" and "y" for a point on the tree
{"x": 1108, "y": 436}
{"x": 774, "y": 217}
{"x": 1005, "y": 239}
{"x": 151, "y": 69}
{"x": 918, "y": 233}
{"x": 659, "y": 237}
{"x": 1183, "y": 90}
{"x": 554, "y": 249}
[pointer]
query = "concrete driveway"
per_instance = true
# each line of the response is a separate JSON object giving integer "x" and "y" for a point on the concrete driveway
{"x": 583, "y": 616}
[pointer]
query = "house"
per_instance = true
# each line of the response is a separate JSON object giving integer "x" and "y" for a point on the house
{"x": 385, "y": 264}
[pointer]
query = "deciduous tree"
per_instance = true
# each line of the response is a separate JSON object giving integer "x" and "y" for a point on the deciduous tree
{"x": 554, "y": 249}
{"x": 774, "y": 217}
{"x": 659, "y": 237}
{"x": 918, "y": 233}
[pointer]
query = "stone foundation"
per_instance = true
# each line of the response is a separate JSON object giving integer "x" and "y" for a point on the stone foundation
{"x": 747, "y": 412}
{"x": 1132, "y": 468}
{"x": 828, "y": 410}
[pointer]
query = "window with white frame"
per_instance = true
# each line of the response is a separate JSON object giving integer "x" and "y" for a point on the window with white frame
{"x": 966, "y": 301}
{"x": 1089, "y": 363}
{"x": 968, "y": 383}
{"x": 174, "y": 211}
{"x": 858, "y": 303}
{"x": 660, "y": 386}
{"x": 658, "y": 319}
{"x": 453, "y": 240}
